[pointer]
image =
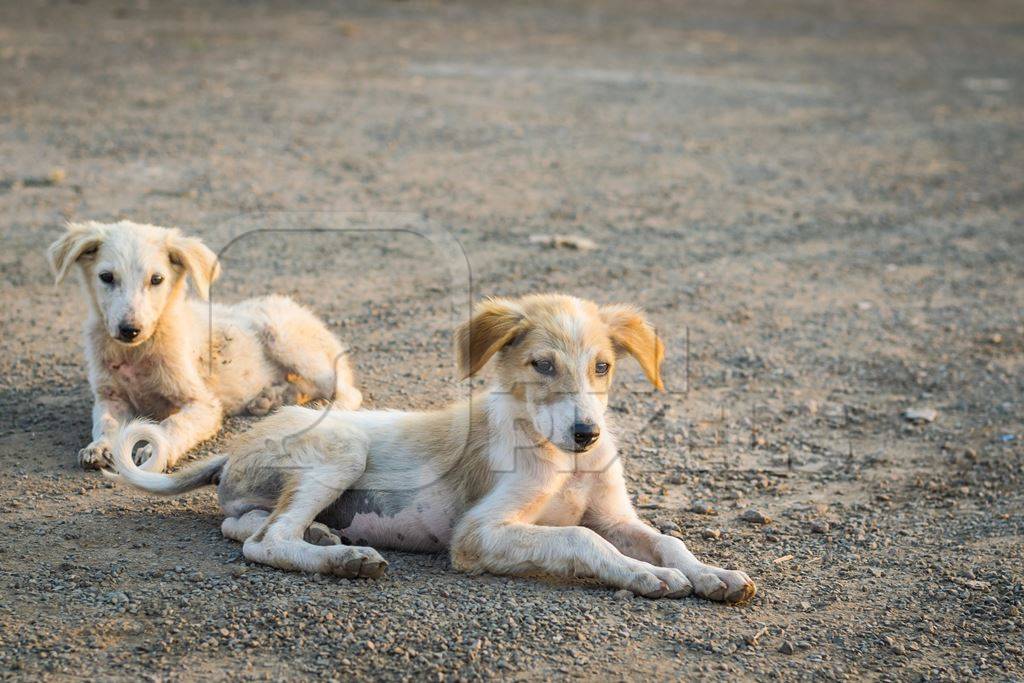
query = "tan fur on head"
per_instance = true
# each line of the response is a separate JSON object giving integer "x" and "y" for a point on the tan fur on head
{"x": 631, "y": 333}
{"x": 79, "y": 242}
{"x": 495, "y": 323}
{"x": 555, "y": 355}
{"x": 196, "y": 258}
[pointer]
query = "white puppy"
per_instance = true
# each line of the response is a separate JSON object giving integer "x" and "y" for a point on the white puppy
{"x": 524, "y": 478}
{"x": 151, "y": 354}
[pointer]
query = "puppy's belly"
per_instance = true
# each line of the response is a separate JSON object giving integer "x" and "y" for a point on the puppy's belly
{"x": 415, "y": 520}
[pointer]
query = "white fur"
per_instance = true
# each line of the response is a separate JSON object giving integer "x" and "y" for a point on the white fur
{"x": 510, "y": 502}
{"x": 262, "y": 352}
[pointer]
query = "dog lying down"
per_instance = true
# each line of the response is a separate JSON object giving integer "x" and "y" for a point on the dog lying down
{"x": 523, "y": 478}
{"x": 149, "y": 348}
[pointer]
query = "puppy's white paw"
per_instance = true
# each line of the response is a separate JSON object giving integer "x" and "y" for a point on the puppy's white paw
{"x": 267, "y": 401}
{"x": 320, "y": 534}
{"x": 678, "y": 586}
{"x": 95, "y": 456}
{"x": 354, "y": 561}
{"x": 659, "y": 582}
{"x": 141, "y": 455}
{"x": 148, "y": 459}
{"x": 260, "y": 406}
{"x": 723, "y": 585}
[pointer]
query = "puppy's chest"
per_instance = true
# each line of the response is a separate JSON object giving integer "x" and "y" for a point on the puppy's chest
{"x": 566, "y": 508}
{"x": 141, "y": 382}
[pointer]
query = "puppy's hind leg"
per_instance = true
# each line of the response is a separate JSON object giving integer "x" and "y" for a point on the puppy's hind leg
{"x": 244, "y": 526}
{"x": 318, "y": 480}
{"x": 299, "y": 342}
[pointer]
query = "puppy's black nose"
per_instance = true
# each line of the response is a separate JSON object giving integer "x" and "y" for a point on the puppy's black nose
{"x": 128, "y": 332}
{"x": 585, "y": 434}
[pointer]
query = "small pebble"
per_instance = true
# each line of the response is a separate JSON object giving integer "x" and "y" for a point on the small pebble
{"x": 755, "y": 517}
{"x": 920, "y": 415}
{"x": 703, "y": 508}
{"x": 116, "y": 597}
{"x": 665, "y": 525}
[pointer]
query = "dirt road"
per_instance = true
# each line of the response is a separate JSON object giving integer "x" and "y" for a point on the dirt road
{"x": 825, "y": 199}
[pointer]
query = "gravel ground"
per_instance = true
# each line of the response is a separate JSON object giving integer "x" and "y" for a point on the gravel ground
{"x": 824, "y": 199}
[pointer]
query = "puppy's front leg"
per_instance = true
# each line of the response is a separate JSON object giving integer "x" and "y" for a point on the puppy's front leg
{"x": 108, "y": 415}
{"x": 504, "y": 544}
{"x": 612, "y": 516}
{"x": 195, "y": 421}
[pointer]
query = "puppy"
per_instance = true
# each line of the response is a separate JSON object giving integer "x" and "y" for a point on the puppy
{"x": 154, "y": 353}
{"x": 523, "y": 478}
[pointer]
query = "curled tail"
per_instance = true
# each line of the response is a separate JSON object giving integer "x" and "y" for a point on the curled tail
{"x": 150, "y": 477}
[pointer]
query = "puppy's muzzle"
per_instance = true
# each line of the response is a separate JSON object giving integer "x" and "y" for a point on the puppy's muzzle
{"x": 127, "y": 332}
{"x": 584, "y": 435}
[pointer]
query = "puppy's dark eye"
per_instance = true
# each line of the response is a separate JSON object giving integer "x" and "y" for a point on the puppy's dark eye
{"x": 107, "y": 277}
{"x": 544, "y": 367}
{"x": 602, "y": 368}
{"x": 156, "y": 279}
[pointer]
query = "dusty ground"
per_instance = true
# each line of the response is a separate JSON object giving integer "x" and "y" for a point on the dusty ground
{"x": 827, "y": 196}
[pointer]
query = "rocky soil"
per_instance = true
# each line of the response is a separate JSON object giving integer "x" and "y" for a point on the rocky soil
{"x": 820, "y": 204}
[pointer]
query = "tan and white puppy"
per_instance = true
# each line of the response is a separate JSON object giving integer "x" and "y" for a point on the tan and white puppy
{"x": 149, "y": 348}
{"x": 523, "y": 478}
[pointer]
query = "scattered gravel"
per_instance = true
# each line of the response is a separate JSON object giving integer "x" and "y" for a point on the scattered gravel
{"x": 750, "y": 174}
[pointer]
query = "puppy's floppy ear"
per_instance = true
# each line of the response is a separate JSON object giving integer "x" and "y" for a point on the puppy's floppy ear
{"x": 495, "y": 323}
{"x": 630, "y": 332}
{"x": 196, "y": 258}
{"x": 79, "y": 242}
